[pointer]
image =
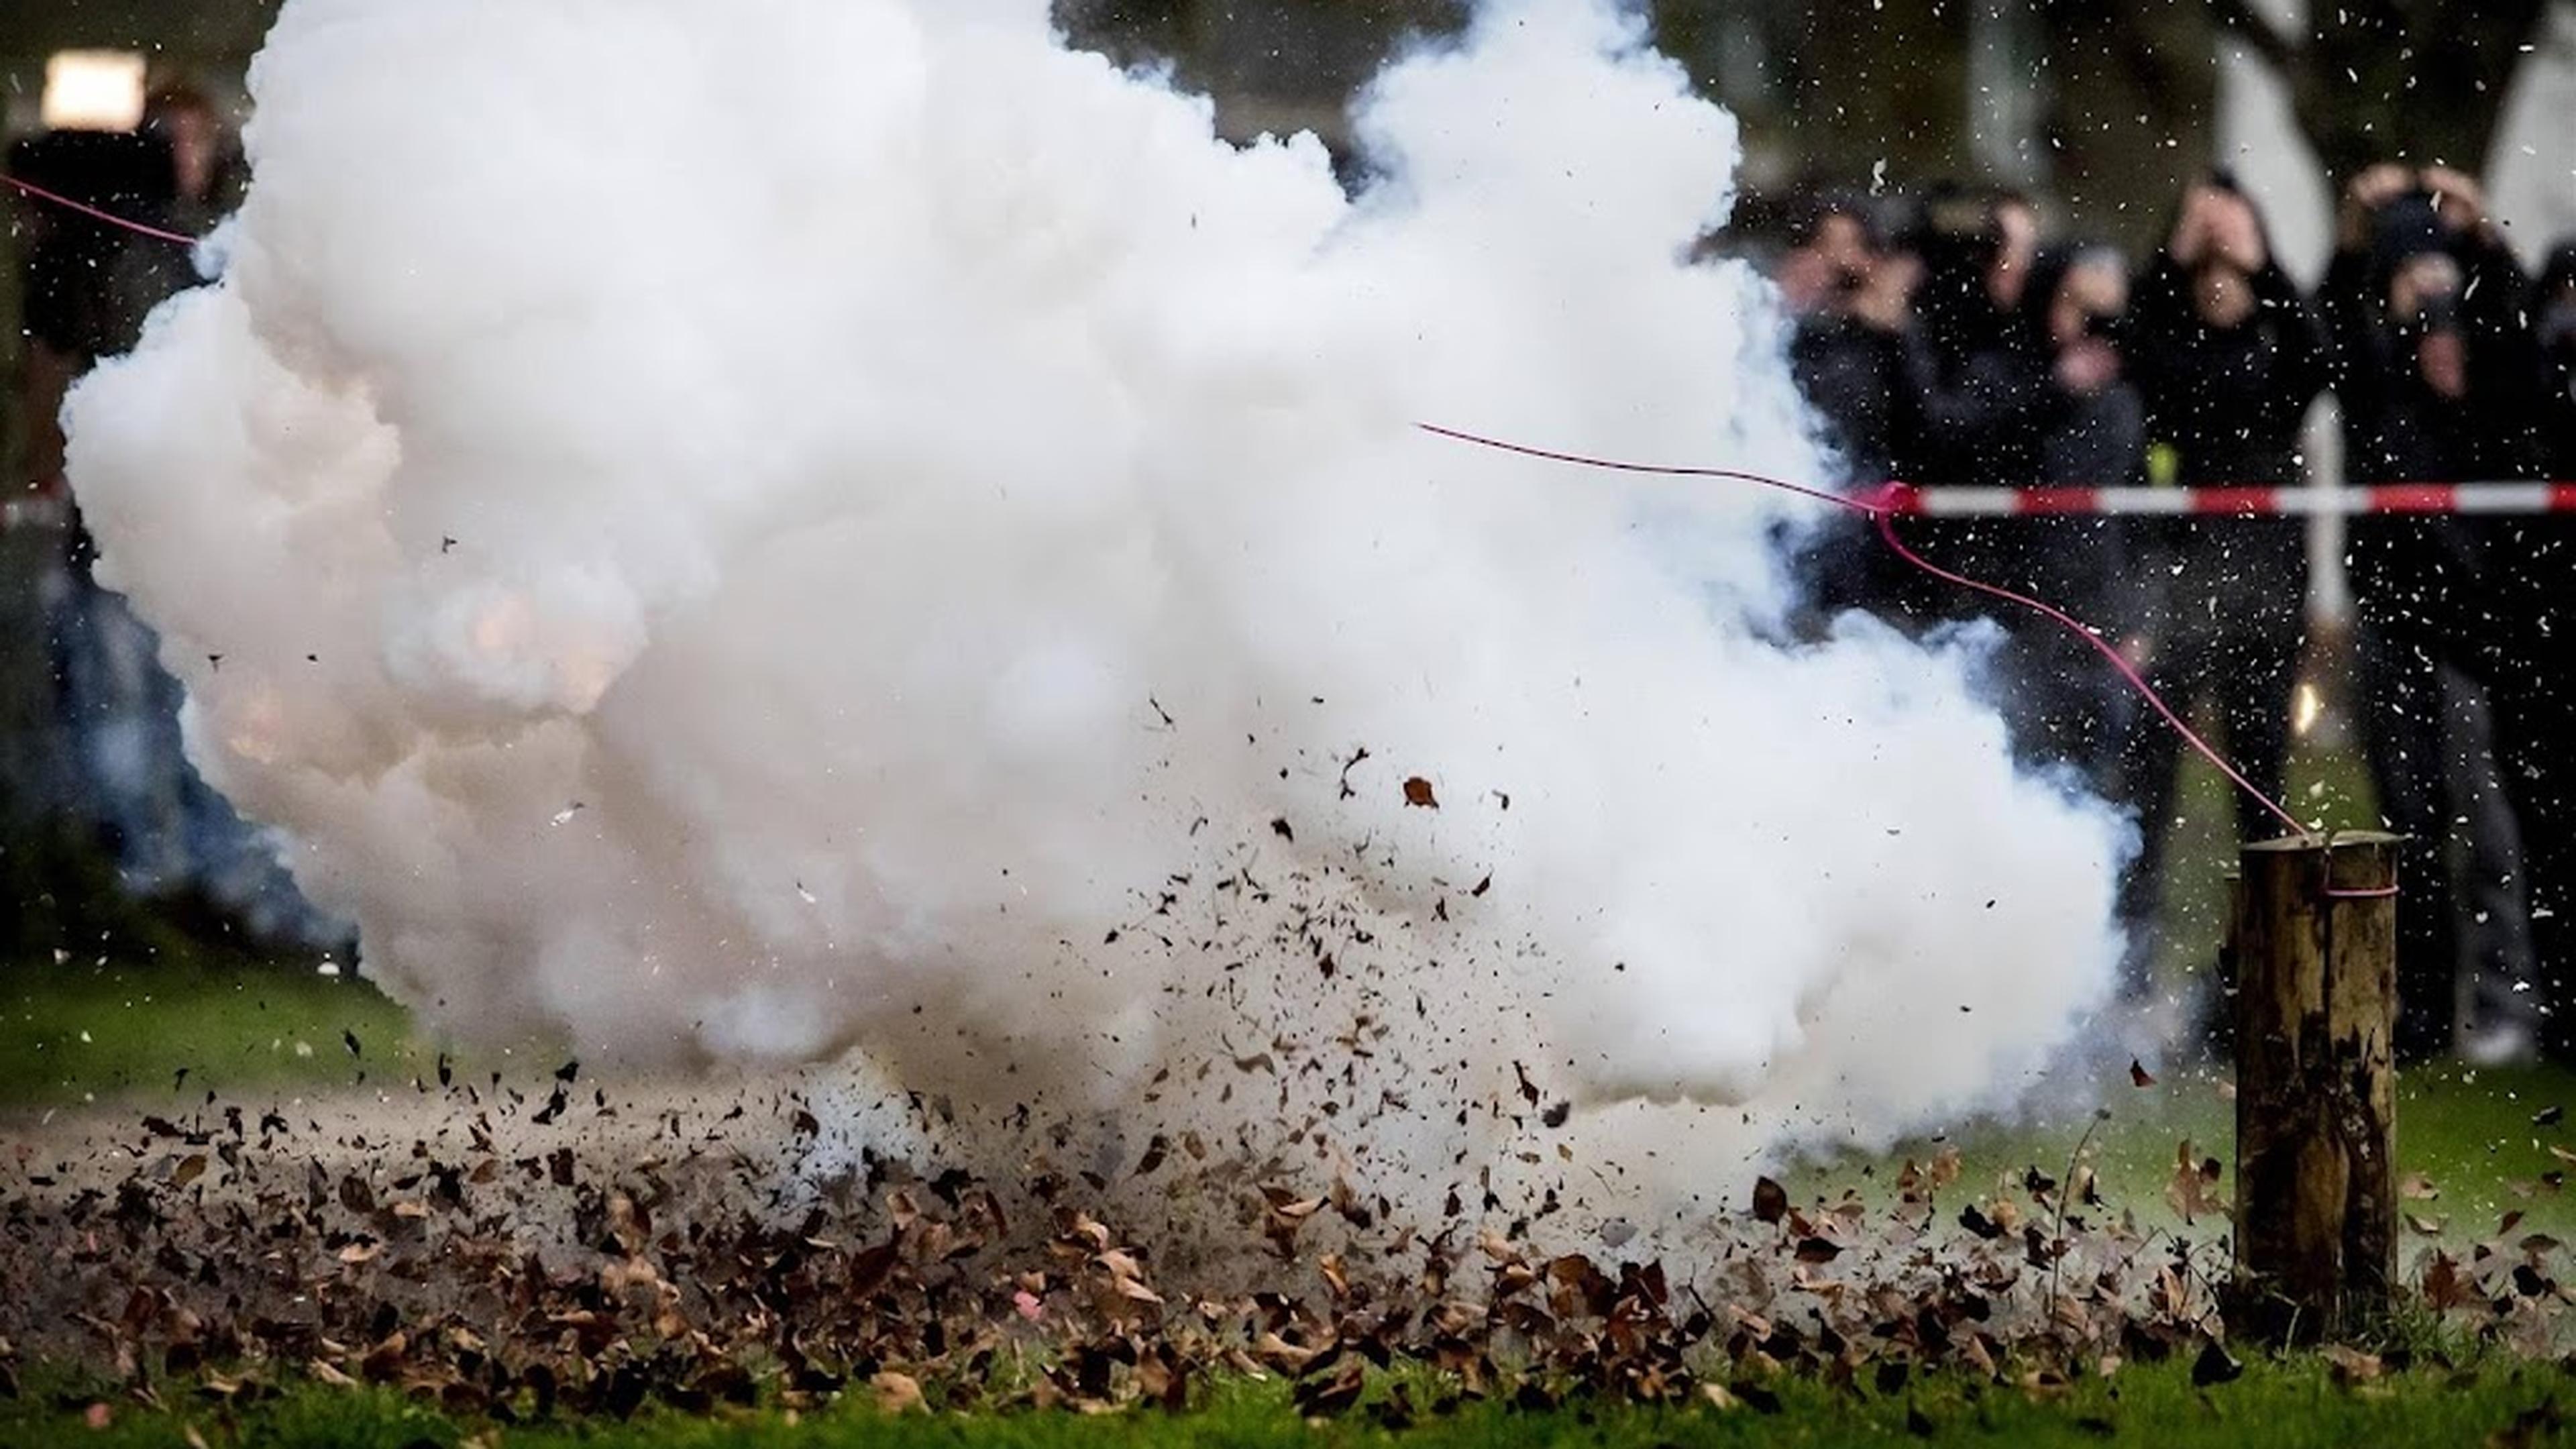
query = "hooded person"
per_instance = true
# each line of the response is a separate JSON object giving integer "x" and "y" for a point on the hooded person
{"x": 2430, "y": 364}
{"x": 2535, "y": 578}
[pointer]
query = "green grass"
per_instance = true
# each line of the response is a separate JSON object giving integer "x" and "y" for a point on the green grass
{"x": 2288, "y": 1404}
{"x": 116, "y": 1033}
{"x": 2467, "y": 1136}
{"x": 80, "y": 1032}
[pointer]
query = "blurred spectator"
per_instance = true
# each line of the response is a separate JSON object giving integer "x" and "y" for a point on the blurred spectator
{"x": 2005, "y": 372}
{"x": 2227, "y": 356}
{"x": 2432, "y": 364}
{"x": 2086, "y": 425}
{"x": 2077, "y": 421}
{"x": 1970, "y": 367}
{"x": 1974, "y": 382}
{"x": 2535, "y": 699}
{"x": 89, "y": 288}
{"x": 69, "y": 315}
{"x": 1851, "y": 298}
{"x": 201, "y": 184}
{"x": 2013, "y": 379}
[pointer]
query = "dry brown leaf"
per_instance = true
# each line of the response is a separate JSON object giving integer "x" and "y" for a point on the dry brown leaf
{"x": 2188, "y": 1193}
{"x": 2350, "y": 1365}
{"x": 898, "y": 1393}
{"x": 2445, "y": 1286}
{"x": 1770, "y": 1200}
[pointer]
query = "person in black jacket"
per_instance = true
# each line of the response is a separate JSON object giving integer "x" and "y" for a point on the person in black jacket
{"x": 1984, "y": 390}
{"x": 2535, "y": 690}
{"x": 1850, "y": 296}
{"x": 2432, "y": 365}
{"x": 2228, "y": 357}
{"x": 1970, "y": 353}
{"x": 2081, "y": 423}
{"x": 2039, "y": 401}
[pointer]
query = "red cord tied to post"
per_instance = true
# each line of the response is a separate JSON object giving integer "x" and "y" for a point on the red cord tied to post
{"x": 1882, "y": 504}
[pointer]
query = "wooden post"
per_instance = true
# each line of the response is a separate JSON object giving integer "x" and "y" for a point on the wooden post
{"x": 2315, "y": 958}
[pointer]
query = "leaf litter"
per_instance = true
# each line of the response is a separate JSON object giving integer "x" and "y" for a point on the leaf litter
{"x": 513, "y": 1257}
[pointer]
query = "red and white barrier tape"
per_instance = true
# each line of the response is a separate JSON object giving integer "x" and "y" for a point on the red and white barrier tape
{"x": 2480, "y": 499}
{"x": 2508, "y": 498}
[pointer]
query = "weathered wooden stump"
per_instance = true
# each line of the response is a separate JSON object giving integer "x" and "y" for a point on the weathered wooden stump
{"x": 2315, "y": 961}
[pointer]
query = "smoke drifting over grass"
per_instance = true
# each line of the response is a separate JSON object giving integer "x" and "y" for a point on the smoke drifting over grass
{"x": 766, "y": 529}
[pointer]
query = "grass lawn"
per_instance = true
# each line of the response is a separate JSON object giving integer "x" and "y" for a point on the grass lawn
{"x": 79, "y": 1032}
{"x": 2470, "y": 1136}
{"x": 2284, "y": 1404}
{"x": 2473, "y": 1147}
{"x": 2467, "y": 1149}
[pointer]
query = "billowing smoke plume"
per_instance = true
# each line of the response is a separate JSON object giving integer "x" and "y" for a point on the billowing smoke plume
{"x": 761, "y": 529}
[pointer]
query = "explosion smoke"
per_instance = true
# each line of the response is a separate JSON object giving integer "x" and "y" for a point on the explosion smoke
{"x": 757, "y": 529}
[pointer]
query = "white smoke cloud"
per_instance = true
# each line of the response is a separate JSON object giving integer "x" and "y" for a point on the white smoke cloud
{"x": 748, "y": 530}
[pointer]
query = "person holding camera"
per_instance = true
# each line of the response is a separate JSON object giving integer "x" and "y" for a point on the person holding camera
{"x": 2536, "y": 710}
{"x": 1981, "y": 385}
{"x": 2432, "y": 366}
{"x": 1851, "y": 297}
{"x": 2227, "y": 356}
{"x": 1969, "y": 352}
{"x": 2080, "y": 423}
